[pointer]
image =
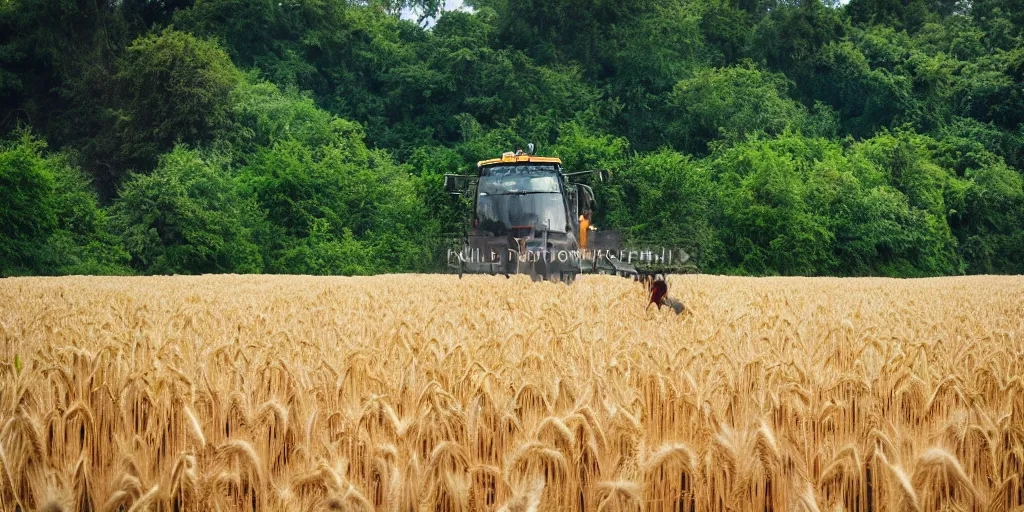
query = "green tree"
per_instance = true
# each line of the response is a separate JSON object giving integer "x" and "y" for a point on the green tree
{"x": 429, "y": 165}
{"x": 26, "y": 214}
{"x": 57, "y": 60}
{"x": 174, "y": 88}
{"x": 988, "y": 227}
{"x": 798, "y": 205}
{"x": 50, "y": 216}
{"x": 668, "y": 199}
{"x": 908, "y": 15}
{"x": 341, "y": 198}
{"x": 790, "y": 33}
{"x": 576, "y": 31}
{"x": 986, "y": 205}
{"x": 262, "y": 114}
{"x": 731, "y": 103}
{"x": 83, "y": 241}
{"x": 655, "y": 50}
{"x": 907, "y": 163}
{"x": 769, "y": 225}
{"x": 584, "y": 149}
{"x": 866, "y": 98}
{"x": 266, "y": 34}
{"x": 188, "y": 217}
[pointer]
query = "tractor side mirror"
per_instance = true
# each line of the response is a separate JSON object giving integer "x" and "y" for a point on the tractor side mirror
{"x": 604, "y": 175}
{"x": 455, "y": 184}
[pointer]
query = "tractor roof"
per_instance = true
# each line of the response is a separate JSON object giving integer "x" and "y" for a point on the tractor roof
{"x": 511, "y": 158}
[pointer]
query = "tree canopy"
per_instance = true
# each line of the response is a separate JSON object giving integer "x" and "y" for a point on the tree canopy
{"x": 875, "y": 137}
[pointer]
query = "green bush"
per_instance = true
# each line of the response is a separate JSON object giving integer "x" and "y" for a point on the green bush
{"x": 188, "y": 217}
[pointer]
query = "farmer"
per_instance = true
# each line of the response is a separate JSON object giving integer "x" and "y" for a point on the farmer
{"x": 584, "y": 227}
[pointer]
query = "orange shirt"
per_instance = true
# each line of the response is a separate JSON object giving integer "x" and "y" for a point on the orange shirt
{"x": 584, "y": 227}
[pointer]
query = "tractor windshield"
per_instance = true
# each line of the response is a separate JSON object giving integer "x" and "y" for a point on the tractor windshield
{"x": 521, "y": 184}
{"x": 520, "y": 198}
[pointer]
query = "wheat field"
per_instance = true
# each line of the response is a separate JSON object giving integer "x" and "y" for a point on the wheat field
{"x": 407, "y": 392}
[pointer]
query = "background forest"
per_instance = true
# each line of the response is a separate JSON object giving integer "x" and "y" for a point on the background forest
{"x": 795, "y": 137}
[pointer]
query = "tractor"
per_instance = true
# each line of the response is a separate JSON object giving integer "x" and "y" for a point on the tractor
{"x": 530, "y": 217}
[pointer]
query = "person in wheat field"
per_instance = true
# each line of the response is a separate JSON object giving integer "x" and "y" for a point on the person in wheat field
{"x": 659, "y": 296}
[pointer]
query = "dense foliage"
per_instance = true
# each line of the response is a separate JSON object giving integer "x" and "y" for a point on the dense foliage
{"x": 875, "y": 137}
